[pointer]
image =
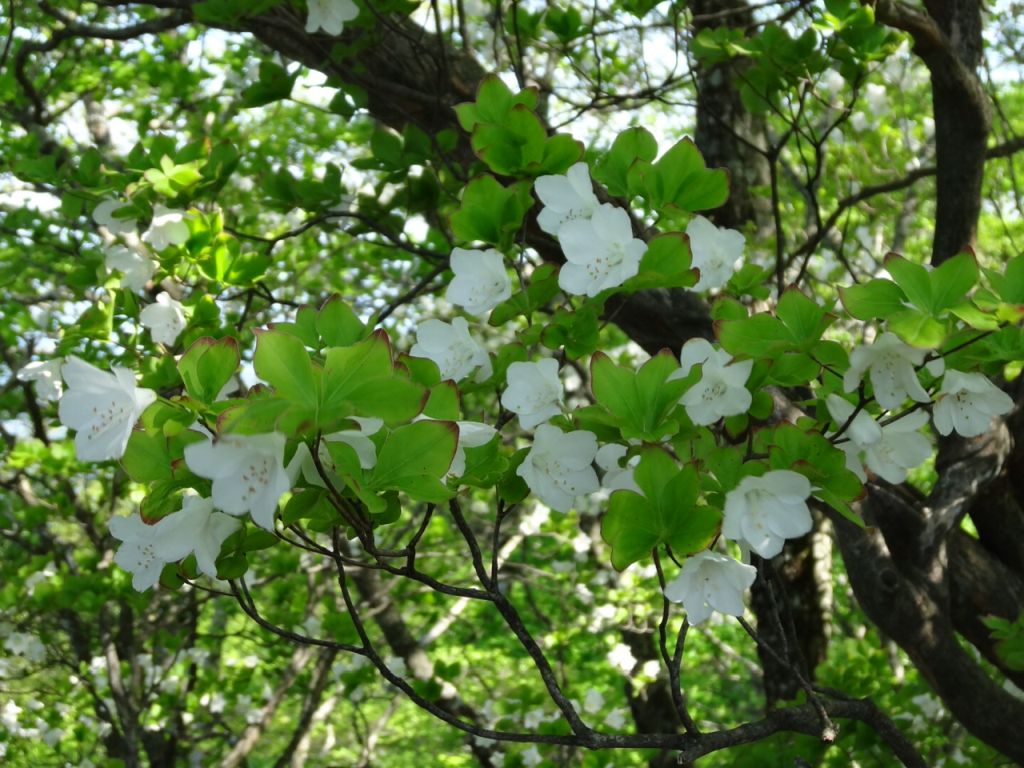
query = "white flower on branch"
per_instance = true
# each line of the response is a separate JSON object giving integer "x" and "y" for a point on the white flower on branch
{"x": 46, "y": 375}
{"x": 710, "y": 582}
{"x": 165, "y": 319}
{"x": 195, "y": 528}
{"x": 137, "y": 553}
{"x": 248, "y": 473}
{"x": 715, "y": 252}
{"x": 167, "y": 228}
{"x": 600, "y": 252}
{"x": 330, "y": 15}
{"x": 103, "y": 215}
{"x": 450, "y": 345}
{"x": 889, "y": 364}
{"x": 888, "y": 451}
{"x": 480, "y": 283}
{"x": 534, "y": 392}
{"x": 967, "y": 403}
{"x": 762, "y": 512}
{"x": 721, "y": 390}
{"x": 135, "y": 268}
{"x": 103, "y": 408}
{"x": 567, "y": 197}
{"x": 558, "y": 467}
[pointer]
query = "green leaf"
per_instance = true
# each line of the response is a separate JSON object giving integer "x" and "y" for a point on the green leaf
{"x": 918, "y": 329}
{"x": 207, "y": 366}
{"x": 274, "y": 84}
{"x": 803, "y": 317}
{"x": 759, "y": 336}
{"x": 640, "y": 401}
{"x": 490, "y": 212}
{"x": 913, "y": 279}
{"x": 666, "y": 513}
{"x": 283, "y": 362}
{"x": 875, "y": 299}
{"x": 665, "y": 264}
{"x": 414, "y": 458}
{"x": 951, "y": 281}
{"x": 613, "y": 168}
{"x": 680, "y": 180}
{"x": 361, "y": 380}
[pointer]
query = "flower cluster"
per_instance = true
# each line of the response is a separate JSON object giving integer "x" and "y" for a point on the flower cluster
{"x": 597, "y": 239}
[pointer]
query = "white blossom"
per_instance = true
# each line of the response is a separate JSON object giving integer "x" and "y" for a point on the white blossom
{"x": 137, "y": 553}
{"x": 165, "y": 319}
{"x": 888, "y": 451}
{"x": 762, "y": 512}
{"x": 967, "y": 403}
{"x": 136, "y": 269}
{"x": 358, "y": 439}
{"x": 248, "y": 473}
{"x": 617, "y": 477}
{"x": 450, "y": 345}
{"x": 103, "y": 408}
{"x": 558, "y": 467}
{"x": 715, "y": 252}
{"x": 721, "y": 390}
{"x": 103, "y": 215}
{"x": 600, "y": 252}
{"x": 890, "y": 366}
{"x": 330, "y": 15}
{"x": 46, "y": 375}
{"x": 621, "y": 657}
{"x": 534, "y": 392}
{"x": 710, "y": 582}
{"x": 593, "y": 702}
{"x": 167, "y": 228}
{"x": 195, "y": 528}
{"x": 566, "y": 197}
{"x": 480, "y": 282}
{"x": 472, "y": 434}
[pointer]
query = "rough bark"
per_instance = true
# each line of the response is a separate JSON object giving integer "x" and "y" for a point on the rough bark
{"x": 915, "y": 574}
{"x": 948, "y": 38}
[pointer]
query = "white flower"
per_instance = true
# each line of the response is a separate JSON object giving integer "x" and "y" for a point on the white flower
{"x": 616, "y": 477}
{"x": 565, "y": 198}
{"x": 46, "y": 375}
{"x": 764, "y": 511}
{"x": 531, "y": 756}
{"x": 197, "y": 528}
{"x": 248, "y": 473}
{"x": 721, "y": 390}
{"x": 889, "y": 451}
{"x": 472, "y": 434}
{"x": 600, "y": 252}
{"x": 137, "y": 553}
{"x": 967, "y": 403}
{"x": 558, "y": 467}
{"x": 165, "y": 319}
{"x": 534, "y": 392}
{"x": 593, "y": 702}
{"x": 136, "y": 268}
{"x": 480, "y": 283}
{"x": 167, "y": 228}
{"x": 710, "y": 582}
{"x": 890, "y": 366}
{"x": 358, "y": 439}
{"x": 621, "y": 657}
{"x": 449, "y": 345}
{"x": 901, "y": 448}
{"x": 103, "y": 407}
{"x": 103, "y": 215}
{"x": 715, "y": 252}
{"x": 330, "y": 15}
{"x": 863, "y": 431}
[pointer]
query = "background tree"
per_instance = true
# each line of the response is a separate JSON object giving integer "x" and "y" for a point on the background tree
{"x": 337, "y": 162}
